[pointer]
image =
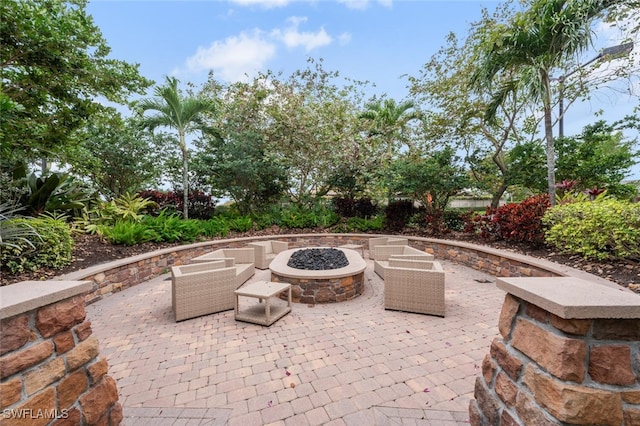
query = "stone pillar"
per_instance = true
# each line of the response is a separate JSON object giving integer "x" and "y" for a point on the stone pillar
{"x": 50, "y": 369}
{"x": 568, "y": 353}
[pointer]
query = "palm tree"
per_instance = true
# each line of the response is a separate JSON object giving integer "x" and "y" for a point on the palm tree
{"x": 389, "y": 119}
{"x": 184, "y": 114}
{"x": 527, "y": 50}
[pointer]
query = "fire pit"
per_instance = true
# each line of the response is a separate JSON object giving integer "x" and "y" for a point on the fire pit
{"x": 314, "y": 286}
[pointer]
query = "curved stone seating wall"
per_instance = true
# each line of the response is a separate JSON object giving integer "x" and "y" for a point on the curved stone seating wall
{"x": 118, "y": 275}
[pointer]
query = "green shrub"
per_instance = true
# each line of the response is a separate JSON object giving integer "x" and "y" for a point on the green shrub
{"x": 607, "y": 229}
{"x": 171, "y": 227}
{"x": 376, "y": 223}
{"x": 128, "y": 233}
{"x": 53, "y": 248}
{"x": 215, "y": 227}
{"x": 241, "y": 224}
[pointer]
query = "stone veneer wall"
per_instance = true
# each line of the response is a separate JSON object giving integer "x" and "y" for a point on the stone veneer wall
{"x": 118, "y": 275}
{"x": 579, "y": 367}
{"x": 51, "y": 371}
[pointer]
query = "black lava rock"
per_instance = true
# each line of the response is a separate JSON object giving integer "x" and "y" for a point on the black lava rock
{"x": 318, "y": 259}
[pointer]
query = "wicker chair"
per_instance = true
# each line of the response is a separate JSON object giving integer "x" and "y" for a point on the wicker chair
{"x": 243, "y": 259}
{"x": 412, "y": 289}
{"x": 403, "y": 261}
{"x": 386, "y": 251}
{"x": 201, "y": 289}
{"x": 266, "y": 251}
{"x": 380, "y": 241}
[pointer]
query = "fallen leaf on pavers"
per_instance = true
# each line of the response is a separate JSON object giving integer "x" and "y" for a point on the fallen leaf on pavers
{"x": 426, "y": 390}
{"x": 287, "y": 373}
{"x": 408, "y": 332}
{"x": 269, "y": 404}
{"x": 292, "y": 385}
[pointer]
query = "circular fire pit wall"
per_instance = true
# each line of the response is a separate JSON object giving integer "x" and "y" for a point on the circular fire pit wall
{"x": 321, "y": 286}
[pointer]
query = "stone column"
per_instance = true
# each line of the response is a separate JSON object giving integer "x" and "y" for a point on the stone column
{"x": 569, "y": 353}
{"x": 50, "y": 369}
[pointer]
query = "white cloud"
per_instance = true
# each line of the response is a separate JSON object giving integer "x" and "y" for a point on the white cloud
{"x": 292, "y": 37}
{"x": 234, "y": 57}
{"x": 344, "y": 38}
{"x": 363, "y": 4}
{"x": 267, "y": 4}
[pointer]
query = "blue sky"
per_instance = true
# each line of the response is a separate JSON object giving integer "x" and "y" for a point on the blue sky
{"x": 375, "y": 40}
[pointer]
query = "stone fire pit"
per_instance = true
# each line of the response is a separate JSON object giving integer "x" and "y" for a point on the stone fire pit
{"x": 321, "y": 286}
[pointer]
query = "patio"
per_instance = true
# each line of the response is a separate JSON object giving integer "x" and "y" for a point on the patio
{"x": 348, "y": 363}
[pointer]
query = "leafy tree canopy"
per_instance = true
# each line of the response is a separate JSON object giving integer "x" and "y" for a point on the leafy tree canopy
{"x": 55, "y": 67}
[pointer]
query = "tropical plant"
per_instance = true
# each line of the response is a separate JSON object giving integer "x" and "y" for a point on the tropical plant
{"x": 14, "y": 234}
{"x": 604, "y": 229}
{"x": 52, "y": 248}
{"x": 184, "y": 114}
{"x": 524, "y": 53}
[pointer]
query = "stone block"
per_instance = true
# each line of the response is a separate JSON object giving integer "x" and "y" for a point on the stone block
{"x": 572, "y": 403}
{"x": 64, "y": 342}
{"x": 506, "y": 389}
{"x": 97, "y": 370}
{"x": 96, "y": 402}
{"x": 616, "y": 329}
{"x": 611, "y": 365}
{"x": 73, "y": 417}
{"x": 83, "y": 353}
{"x": 531, "y": 413}
{"x": 509, "y": 310}
{"x": 57, "y": 317}
{"x": 578, "y": 327}
{"x": 486, "y": 404}
{"x": 14, "y": 333}
{"x": 22, "y": 359}
{"x": 475, "y": 418}
{"x": 10, "y": 392}
{"x": 488, "y": 369}
{"x": 510, "y": 364}
{"x": 35, "y": 411}
{"x": 37, "y": 379}
{"x": 83, "y": 331}
{"x": 536, "y": 313}
{"x": 631, "y": 397}
{"x": 71, "y": 387}
{"x": 561, "y": 356}
{"x": 631, "y": 416}
{"x": 507, "y": 420}
{"x": 116, "y": 415}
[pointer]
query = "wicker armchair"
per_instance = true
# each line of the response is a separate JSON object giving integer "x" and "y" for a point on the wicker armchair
{"x": 266, "y": 251}
{"x": 242, "y": 259}
{"x": 402, "y": 261}
{"x": 415, "y": 290}
{"x": 384, "y": 252}
{"x": 380, "y": 241}
{"x": 201, "y": 289}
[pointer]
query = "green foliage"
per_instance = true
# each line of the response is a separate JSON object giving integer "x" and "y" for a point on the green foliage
{"x": 128, "y": 233}
{"x": 359, "y": 224}
{"x": 116, "y": 156}
{"x": 605, "y": 229}
{"x": 241, "y": 224}
{"x": 318, "y": 216}
{"x": 55, "y": 66}
{"x": 15, "y": 234}
{"x": 52, "y": 249}
{"x": 171, "y": 228}
{"x": 58, "y": 192}
{"x": 215, "y": 227}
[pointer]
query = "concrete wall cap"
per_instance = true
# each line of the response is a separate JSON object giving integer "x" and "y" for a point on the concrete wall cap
{"x": 574, "y": 298}
{"x": 25, "y": 296}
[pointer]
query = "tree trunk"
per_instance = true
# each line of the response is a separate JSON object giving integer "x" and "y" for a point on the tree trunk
{"x": 497, "y": 195}
{"x": 185, "y": 177}
{"x": 548, "y": 132}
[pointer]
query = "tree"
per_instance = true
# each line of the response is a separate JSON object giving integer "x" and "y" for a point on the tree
{"x": 599, "y": 157}
{"x": 456, "y": 112}
{"x": 522, "y": 54}
{"x": 117, "y": 156}
{"x": 55, "y": 66}
{"x": 184, "y": 114}
{"x": 431, "y": 179}
{"x": 388, "y": 121}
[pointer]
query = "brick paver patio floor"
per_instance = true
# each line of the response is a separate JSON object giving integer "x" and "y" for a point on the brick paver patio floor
{"x": 350, "y": 363}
